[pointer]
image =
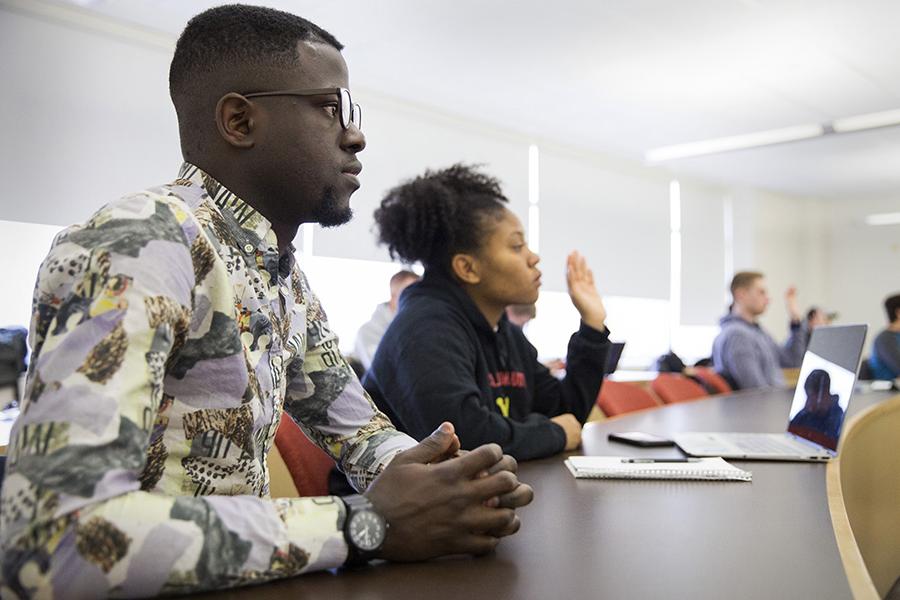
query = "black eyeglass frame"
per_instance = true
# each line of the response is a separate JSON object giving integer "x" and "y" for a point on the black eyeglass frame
{"x": 355, "y": 110}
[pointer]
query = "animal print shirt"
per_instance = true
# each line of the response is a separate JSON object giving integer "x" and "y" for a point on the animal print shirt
{"x": 168, "y": 336}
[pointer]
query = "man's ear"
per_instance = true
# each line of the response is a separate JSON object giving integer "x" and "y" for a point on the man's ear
{"x": 235, "y": 120}
{"x": 466, "y": 268}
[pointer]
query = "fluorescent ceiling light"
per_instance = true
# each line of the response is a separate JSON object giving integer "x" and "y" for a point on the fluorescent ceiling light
{"x": 887, "y": 118}
{"x": 737, "y": 142}
{"x": 883, "y": 219}
{"x": 868, "y": 121}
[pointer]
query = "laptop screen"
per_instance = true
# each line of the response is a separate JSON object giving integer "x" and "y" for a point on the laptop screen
{"x": 824, "y": 386}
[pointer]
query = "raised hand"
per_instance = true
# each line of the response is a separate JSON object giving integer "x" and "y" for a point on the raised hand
{"x": 437, "y": 506}
{"x": 793, "y": 308}
{"x": 583, "y": 292}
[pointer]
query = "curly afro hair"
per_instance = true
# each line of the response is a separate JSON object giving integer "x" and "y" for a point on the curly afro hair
{"x": 439, "y": 214}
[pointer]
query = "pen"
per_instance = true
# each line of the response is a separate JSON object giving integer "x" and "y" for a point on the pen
{"x": 660, "y": 460}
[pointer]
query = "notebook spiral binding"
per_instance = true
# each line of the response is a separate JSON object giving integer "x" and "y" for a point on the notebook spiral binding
{"x": 658, "y": 473}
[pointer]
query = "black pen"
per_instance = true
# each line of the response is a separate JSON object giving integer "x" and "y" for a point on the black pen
{"x": 660, "y": 460}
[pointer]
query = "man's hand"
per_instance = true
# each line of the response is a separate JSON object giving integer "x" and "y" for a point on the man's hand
{"x": 435, "y": 505}
{"x": 790, "y": 297}
{"x": 572, "y": 428}
{"x": 583, "y": 292}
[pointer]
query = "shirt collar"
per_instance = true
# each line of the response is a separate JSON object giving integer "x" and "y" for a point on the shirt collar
{"x": 253, "y": 232}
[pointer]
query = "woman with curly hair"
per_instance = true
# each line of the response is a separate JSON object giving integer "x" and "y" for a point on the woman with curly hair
{"x": 450, "y": 354}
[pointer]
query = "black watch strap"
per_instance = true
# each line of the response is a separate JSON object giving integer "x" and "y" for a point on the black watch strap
{"x": 354, "y": 504}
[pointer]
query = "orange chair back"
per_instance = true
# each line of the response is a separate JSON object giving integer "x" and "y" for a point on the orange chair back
{"x": 308, "y": 464}
{"x": 617, "y": 398}
{"x": 674, "y": 387}
{"x": 713, "y": 380}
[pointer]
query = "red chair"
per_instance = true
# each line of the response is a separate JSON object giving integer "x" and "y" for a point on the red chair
{"x": 617, "y": 398}
{"x": 308, "y": 464}
{"x": 675, "y": 387}
{"x": 712, "y": 380}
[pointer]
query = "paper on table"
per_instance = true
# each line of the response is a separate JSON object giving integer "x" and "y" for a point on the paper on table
{"x": 612, "y": 467}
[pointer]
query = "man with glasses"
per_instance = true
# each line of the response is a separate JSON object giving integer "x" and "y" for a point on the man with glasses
{"x": 173, "y": 328}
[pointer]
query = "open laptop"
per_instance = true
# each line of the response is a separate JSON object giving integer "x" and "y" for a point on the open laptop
{"x": 612, "y": 359}
{"x": 817, "y": 413}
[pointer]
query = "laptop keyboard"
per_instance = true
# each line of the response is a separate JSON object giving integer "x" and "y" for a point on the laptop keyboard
{"x": 764, "y": 444}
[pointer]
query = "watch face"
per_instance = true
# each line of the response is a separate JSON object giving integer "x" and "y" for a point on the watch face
{"x": 366, "y": 530}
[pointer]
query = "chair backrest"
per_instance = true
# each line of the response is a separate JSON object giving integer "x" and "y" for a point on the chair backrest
{"x": 281, "y": 482}
{"x": 712, "y": 380}
{"x": 617, "y": 398}
{"x": 863, "y": 493}
{"x": 307, "y": 463}
{"x": 674, "y": 387}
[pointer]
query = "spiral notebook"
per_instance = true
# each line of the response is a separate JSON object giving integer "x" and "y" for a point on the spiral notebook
{"x": 613, "y": 467}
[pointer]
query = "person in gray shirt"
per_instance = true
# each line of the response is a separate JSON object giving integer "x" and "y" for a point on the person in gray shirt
{"x": 743, "y": 352}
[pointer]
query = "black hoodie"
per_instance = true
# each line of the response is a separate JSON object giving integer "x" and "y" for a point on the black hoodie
{"x": 440, "y": 360}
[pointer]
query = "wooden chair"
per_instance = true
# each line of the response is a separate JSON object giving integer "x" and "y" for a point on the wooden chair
{"x": 674, "y": 387}
{"x": 305, "y": 463}
{"x": 712, "y": 380}
{"x": 616, "y": 398}
{"x": 864, "y": 500}
{"x": 281, "y": 483}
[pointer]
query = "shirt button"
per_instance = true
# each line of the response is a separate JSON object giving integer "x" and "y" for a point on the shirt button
{"x": 276, "y": 361}
{"x": 249, "y": 248}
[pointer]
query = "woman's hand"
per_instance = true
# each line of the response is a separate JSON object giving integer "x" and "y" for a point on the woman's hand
{"x": 584, "y": 293}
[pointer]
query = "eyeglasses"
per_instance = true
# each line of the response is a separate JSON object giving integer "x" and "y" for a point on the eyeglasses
{"x": 348, "y": 111}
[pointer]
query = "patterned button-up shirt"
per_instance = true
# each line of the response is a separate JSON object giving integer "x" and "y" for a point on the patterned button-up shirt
{"x": 168, "y": 336}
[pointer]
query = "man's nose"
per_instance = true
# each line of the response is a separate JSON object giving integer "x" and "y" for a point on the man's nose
{"x": 353, "y": 140}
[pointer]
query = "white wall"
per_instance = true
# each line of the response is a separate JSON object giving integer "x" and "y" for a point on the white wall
{"x": 87, "y": 119}
{"x": 91, "y": 120}
{"x": 864, "y": 261}
{"x": 787, "y": 239}
{"x": 703, "y": 254}
{"x": 619, "y": 219}
{"x": 403, "y": 141}
{"x": 23, "y": 247}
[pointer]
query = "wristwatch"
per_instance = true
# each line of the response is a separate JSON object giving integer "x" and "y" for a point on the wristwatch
{"x": 364, "y": 530}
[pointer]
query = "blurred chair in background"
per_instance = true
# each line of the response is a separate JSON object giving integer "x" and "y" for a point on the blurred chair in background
{"x": 618, "y": 398}
{"x": 674, "y": 387}
{"x": 307, "y": 464}
{"x": 712, "y": 381}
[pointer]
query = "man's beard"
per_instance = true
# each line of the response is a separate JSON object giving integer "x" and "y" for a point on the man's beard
{"x": 328, "y": 213}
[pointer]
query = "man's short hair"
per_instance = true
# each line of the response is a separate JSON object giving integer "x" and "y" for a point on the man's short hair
{"x": 892, "y": 305}
{"x": 744, "y": 279}
{"x": 225, "y": 38}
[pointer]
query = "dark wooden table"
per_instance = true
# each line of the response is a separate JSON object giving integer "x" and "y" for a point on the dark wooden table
{"x": 771, "y": 538}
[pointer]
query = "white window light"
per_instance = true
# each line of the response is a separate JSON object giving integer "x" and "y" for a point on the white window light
{"x": 534, "y": 228}
{"x": 674, "y": 259}
{"x": 534, "y": 168}
{"x": 728, "y": 237}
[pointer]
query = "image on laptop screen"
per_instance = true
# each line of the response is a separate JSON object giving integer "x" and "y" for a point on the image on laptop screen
{"x": 820, "y": 400}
